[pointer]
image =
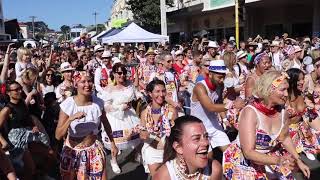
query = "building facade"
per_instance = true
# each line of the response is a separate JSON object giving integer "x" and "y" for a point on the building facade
{"x": 119, "y": 12}
{"x": 265, "y": 17}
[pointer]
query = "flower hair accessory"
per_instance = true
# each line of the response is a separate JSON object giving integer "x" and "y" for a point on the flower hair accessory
{"x": 77, "y": 76}
{"x": 276, "y": 83}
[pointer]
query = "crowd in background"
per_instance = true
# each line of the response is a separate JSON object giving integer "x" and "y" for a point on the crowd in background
{"x": 63, "y": 106}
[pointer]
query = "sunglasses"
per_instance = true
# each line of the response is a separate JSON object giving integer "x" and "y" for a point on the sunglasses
{"x": 120, "y": 73}
{"x": 170, "y": 61}
{"x": 49, "y": 75}
{"x": 16, "y": 89}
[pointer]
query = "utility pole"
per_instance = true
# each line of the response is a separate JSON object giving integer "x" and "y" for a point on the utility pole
{"x": 33, "y": 18}
{"x": 237, "y": 22}
{"x": 95, "y": 20}
{"x": 163, "y": 17}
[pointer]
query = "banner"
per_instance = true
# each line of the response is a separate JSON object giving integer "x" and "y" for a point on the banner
{"x": 217, "y": 4}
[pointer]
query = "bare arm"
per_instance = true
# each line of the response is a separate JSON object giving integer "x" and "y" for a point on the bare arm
{"x": 249, "y": 87}
{"x": 64, "y": 123}
{"x": 4, "y": 72}
{"x": 4, "y": 115}
{"x": 247, "y": 134}
{"x": 201, "y": 94}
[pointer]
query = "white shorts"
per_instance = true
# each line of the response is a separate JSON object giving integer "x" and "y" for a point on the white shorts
{"x": 218, "y": 138}
{"x": 150, "y": 156}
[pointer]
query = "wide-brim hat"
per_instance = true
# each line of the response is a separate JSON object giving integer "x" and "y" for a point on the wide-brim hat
{"x": 106, "y": 54}
{"x": 297, "y": 49}
{"x": 213, "y": 44}
{"x": 218, "y": 66}
{"x": 98, "y": 48}
{"x": 66, "y": 66}
{"x": 252, "y": 44}
{"x": 150, "y": 52}
{"x": 179, "y": 52}
{"x": 241, "y": 54}
{"x": 275, "y": 43}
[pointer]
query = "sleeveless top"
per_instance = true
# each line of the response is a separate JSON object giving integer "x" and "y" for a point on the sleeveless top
{"x": 209, "y": 119}
{"x": 264, "y": 140}
{"x": 19, "y": 116}
{"x": 205, "y": 175}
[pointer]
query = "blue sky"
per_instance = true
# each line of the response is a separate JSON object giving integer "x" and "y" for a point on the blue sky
{"x": 58, "y": 12}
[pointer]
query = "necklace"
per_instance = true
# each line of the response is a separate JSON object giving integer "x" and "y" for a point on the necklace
{"x": 155, "y": 111}
{"x": 182, "y": 175}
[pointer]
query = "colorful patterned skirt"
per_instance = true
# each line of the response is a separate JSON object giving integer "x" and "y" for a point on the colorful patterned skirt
{"x": 86, "y": 162}
{"x": 304, "y": 138}
{"x": 237, "y": 167}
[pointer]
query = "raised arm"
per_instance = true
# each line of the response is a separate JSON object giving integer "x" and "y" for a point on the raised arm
{"x": 4, "y": 72}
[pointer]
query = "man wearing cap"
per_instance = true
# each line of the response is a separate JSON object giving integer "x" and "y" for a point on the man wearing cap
{"x": 96, "y": 62}
{"x": 211, "y": 51}
{"x": 141, "y": 55}
{"x": 66, "y": 88}
{"x": 277, "y": 55}
{"x": 146, "y": 69}
{"x": 240, "y": 68}
{"x": 102, "y": 74}
{"x": 204, "y": 103}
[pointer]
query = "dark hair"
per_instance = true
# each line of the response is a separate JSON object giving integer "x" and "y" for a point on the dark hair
{"x": 150, "y": 87}
{"x": 175, "y": 136}
{"x": 44, "y": 81}
{"x": 9, "y": 83}
{"x": 116, "y": 67}
{"x": 294, "y": 74}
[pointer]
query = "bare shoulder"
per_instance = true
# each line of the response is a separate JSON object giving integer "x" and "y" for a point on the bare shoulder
{"x": 162, "y": 173}
{"x": 247, "y": 116}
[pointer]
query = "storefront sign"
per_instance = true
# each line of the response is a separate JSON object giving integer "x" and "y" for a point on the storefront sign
{"x": 217, "y": 4}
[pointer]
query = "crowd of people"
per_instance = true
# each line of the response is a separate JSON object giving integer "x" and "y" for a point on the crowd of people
{"x": 67, "y": 106}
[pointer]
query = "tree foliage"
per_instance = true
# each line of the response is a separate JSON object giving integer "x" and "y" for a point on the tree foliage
{"x": 65, "y": 29}
{"x": 147, "y": 12}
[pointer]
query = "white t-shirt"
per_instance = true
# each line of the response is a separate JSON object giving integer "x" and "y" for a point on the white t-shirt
{"x": 90, "y": 123}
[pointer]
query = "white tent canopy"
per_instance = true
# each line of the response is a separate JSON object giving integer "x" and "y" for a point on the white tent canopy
{"x": 134, "y": 33}
{"x": 95, "y": 38}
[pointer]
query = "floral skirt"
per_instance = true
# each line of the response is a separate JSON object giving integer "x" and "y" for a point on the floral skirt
{"x": 87, "y": 162}
{"x": 236, "y": 167}
{"x": 304, "y": 138}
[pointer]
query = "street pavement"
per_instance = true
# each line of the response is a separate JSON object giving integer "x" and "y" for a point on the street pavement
{"x": 131, "y": 170}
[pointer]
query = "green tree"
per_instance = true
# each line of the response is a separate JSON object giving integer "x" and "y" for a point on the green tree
{"x": 65, "y": 30}
{"x": 147, "y": 12}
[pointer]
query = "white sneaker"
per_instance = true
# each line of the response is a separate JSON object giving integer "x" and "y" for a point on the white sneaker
{"x": 310, "y": 156}
{"x": 115, "y": 167}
